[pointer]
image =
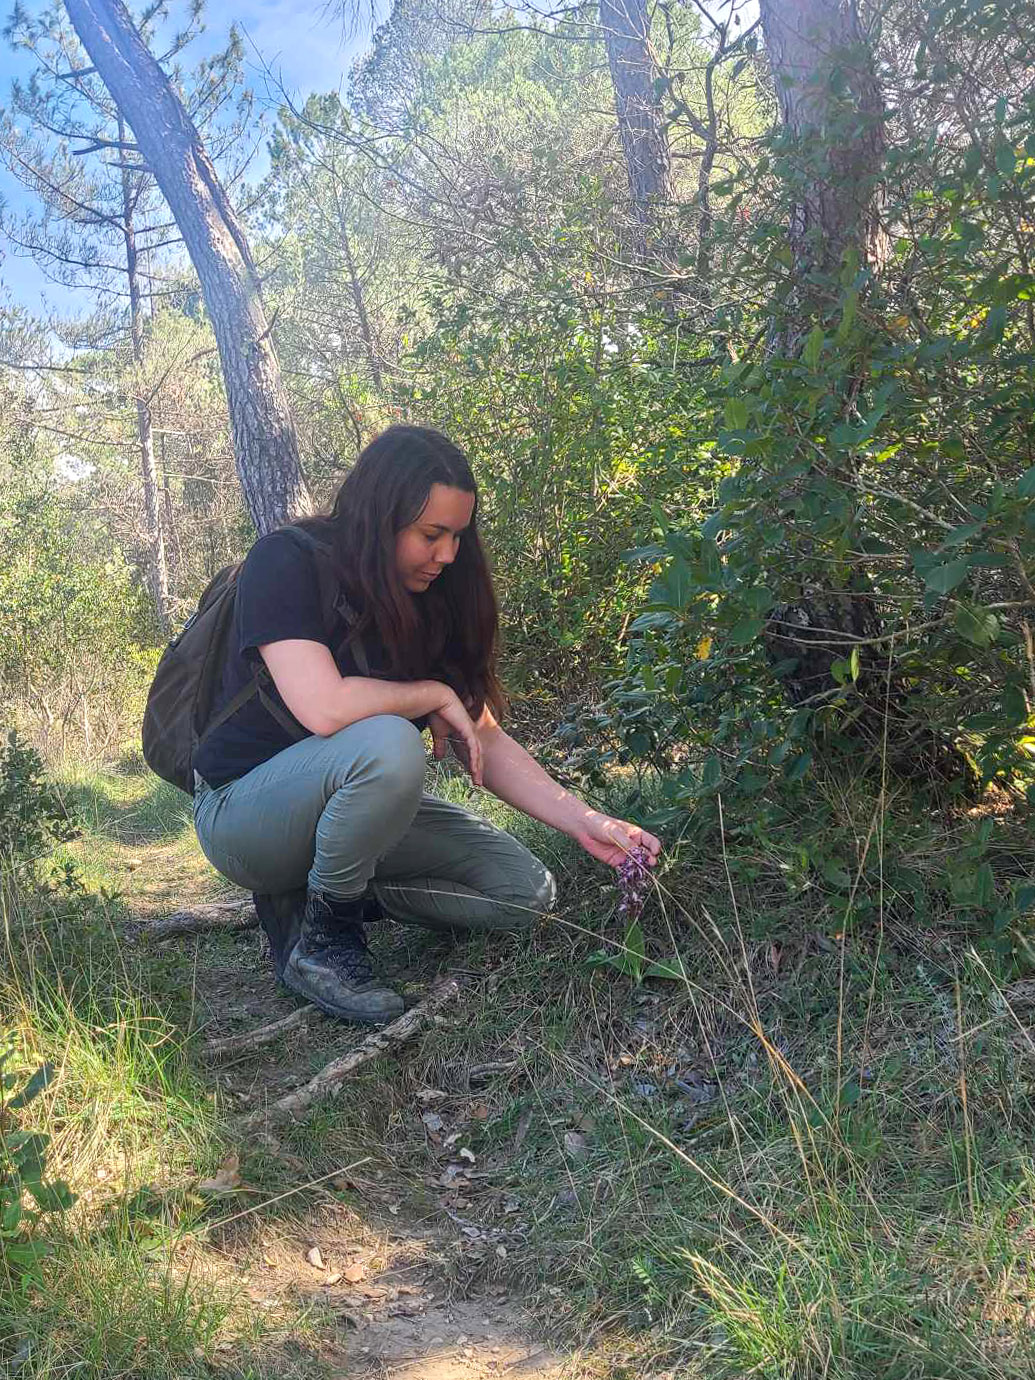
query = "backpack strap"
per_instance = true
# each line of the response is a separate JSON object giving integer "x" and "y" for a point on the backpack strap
{"x": 332, "y": 603}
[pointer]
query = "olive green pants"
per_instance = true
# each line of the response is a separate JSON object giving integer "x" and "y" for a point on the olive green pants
{"x": 342, "y": 813}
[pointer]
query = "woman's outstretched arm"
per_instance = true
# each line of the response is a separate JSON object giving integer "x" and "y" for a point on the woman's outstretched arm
{"x": 516, "y": 777}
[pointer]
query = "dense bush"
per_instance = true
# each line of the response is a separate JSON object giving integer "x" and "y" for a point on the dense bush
{"x": 33, "y": 816}
{"x": 73, "y": 658}
{"x": 568, "y": 408}
{"x": 865, "y": 581}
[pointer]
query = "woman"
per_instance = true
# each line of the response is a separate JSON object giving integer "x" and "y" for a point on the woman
{"x": 333, "y": 829}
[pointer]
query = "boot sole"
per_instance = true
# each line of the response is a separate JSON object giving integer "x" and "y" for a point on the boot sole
{"x": 340, "y": 1012}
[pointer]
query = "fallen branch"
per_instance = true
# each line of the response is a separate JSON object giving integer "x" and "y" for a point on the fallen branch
{"x": 330, "y": 1078}
{"x": 481, "y": 1073}
{"x": 219, "y": 915}
{"x": 264, "y": 1035}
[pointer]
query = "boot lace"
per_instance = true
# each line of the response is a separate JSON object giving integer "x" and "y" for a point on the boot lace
{"x": 343, "y": 947}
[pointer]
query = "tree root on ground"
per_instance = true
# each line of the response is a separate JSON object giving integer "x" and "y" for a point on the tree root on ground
{"x": 378, "y": 1042}
{"x": 218, "y": 915}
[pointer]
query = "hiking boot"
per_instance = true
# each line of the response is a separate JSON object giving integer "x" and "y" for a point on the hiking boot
{"x": 330, "y": 965}
{"x": 280, "y": 916}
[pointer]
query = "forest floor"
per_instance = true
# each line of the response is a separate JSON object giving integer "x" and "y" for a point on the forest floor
{"x": 803, "y": 1159}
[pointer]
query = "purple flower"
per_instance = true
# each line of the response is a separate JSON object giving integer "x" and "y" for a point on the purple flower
{"x": 633, "y": 882}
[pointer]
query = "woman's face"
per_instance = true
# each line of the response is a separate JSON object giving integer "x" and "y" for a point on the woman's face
{"x": 430, "y": 542}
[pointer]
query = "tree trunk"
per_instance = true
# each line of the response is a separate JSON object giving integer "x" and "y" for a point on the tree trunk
{"x": 831, "y": 102}
{"x": 357, "y": 293}
{"x": 265, "y": 442}
{"x": 838, "y": 135}
{"x": 158, "y": 574}
{"x": 838, "y": 121}
{"x": 173, "y": 553}
{"x": 641, "y": 119}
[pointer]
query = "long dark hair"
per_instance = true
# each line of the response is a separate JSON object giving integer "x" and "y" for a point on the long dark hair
{"x": 451, "y": 631}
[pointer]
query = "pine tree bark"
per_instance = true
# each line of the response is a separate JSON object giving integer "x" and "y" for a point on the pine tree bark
{"x": 641, "y": 119}
{"x": 839, "y": 131}
{"x": 158, "y": 573}
{"x": 264, "y": 437}
{"x": 843, "y": 122}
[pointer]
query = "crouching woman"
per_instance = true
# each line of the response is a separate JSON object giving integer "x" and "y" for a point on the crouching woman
{"x": 311, "y": 794}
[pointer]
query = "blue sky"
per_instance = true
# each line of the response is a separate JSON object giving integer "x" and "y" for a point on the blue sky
{"x": 302, "y": 42}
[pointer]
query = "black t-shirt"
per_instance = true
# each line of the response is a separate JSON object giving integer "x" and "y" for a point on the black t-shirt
{"x": 278, "y": 597}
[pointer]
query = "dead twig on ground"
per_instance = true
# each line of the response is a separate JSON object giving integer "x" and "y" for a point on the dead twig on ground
{"x": 330, "y": 1078}
{"x": 263, "y": 1035}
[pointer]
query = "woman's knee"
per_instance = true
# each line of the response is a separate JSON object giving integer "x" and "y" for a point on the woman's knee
{"x": 388, "y": 749}
{"x": 528, "y": 901}
{"x": 543, "y": 891}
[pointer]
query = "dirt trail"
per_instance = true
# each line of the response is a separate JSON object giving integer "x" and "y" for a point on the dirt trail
{"x": 383, "y": 1299}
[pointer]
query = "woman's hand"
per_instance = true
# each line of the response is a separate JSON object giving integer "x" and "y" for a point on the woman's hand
{"x": 612, "y": 840}
{"x": 451, "y": 724}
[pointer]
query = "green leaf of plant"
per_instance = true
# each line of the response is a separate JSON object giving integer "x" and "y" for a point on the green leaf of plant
{"x": 635, "y": 942}
{"x": 834, "y": 874}
{"x": 51, "y": 1197}
{"x": 623, "y": 963}
{"x": 1026, "y": 484}
{"x": 1005, "y": 160}
{"x": 1015, "y": 708}
{"x": 850, "y": 1094}
{"x": 738, "y": 414}
{"x": 711, "y": 773}
{"x": 795, "y": 770}
{"x": 746, "y": 630}
{"x": 653, "y": 552}
{"x": 813, "y": 347}
{"x": 760, "y": 599}
{"x": 977, "y": 625}
{"x": 779, "y": 751}
{"x": 671, "y": 972}
{"x": 963, "y": 533}
{"x": 848, "y": 315}
{"x": 33, "y": 1087}
{"x": 943, "y": 578}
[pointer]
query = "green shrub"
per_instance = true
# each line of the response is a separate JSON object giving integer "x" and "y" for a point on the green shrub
{"x": 23, "y": 1159}
{"x": 33, "y": 816}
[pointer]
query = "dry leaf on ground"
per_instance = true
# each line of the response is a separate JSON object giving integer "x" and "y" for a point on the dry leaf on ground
{"x": 575, "y": 1145}
{"x": 225, "y": 1179}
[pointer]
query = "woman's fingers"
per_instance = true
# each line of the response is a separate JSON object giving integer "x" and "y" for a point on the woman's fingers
{"x": 463, "y": 728}
{"x": 439, "y": 735}
{"x": 629, "y": 836}
{"x": 652, "y": 845}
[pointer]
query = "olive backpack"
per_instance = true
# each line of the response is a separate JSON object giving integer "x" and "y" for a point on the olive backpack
{"x": 179, "y": 710}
